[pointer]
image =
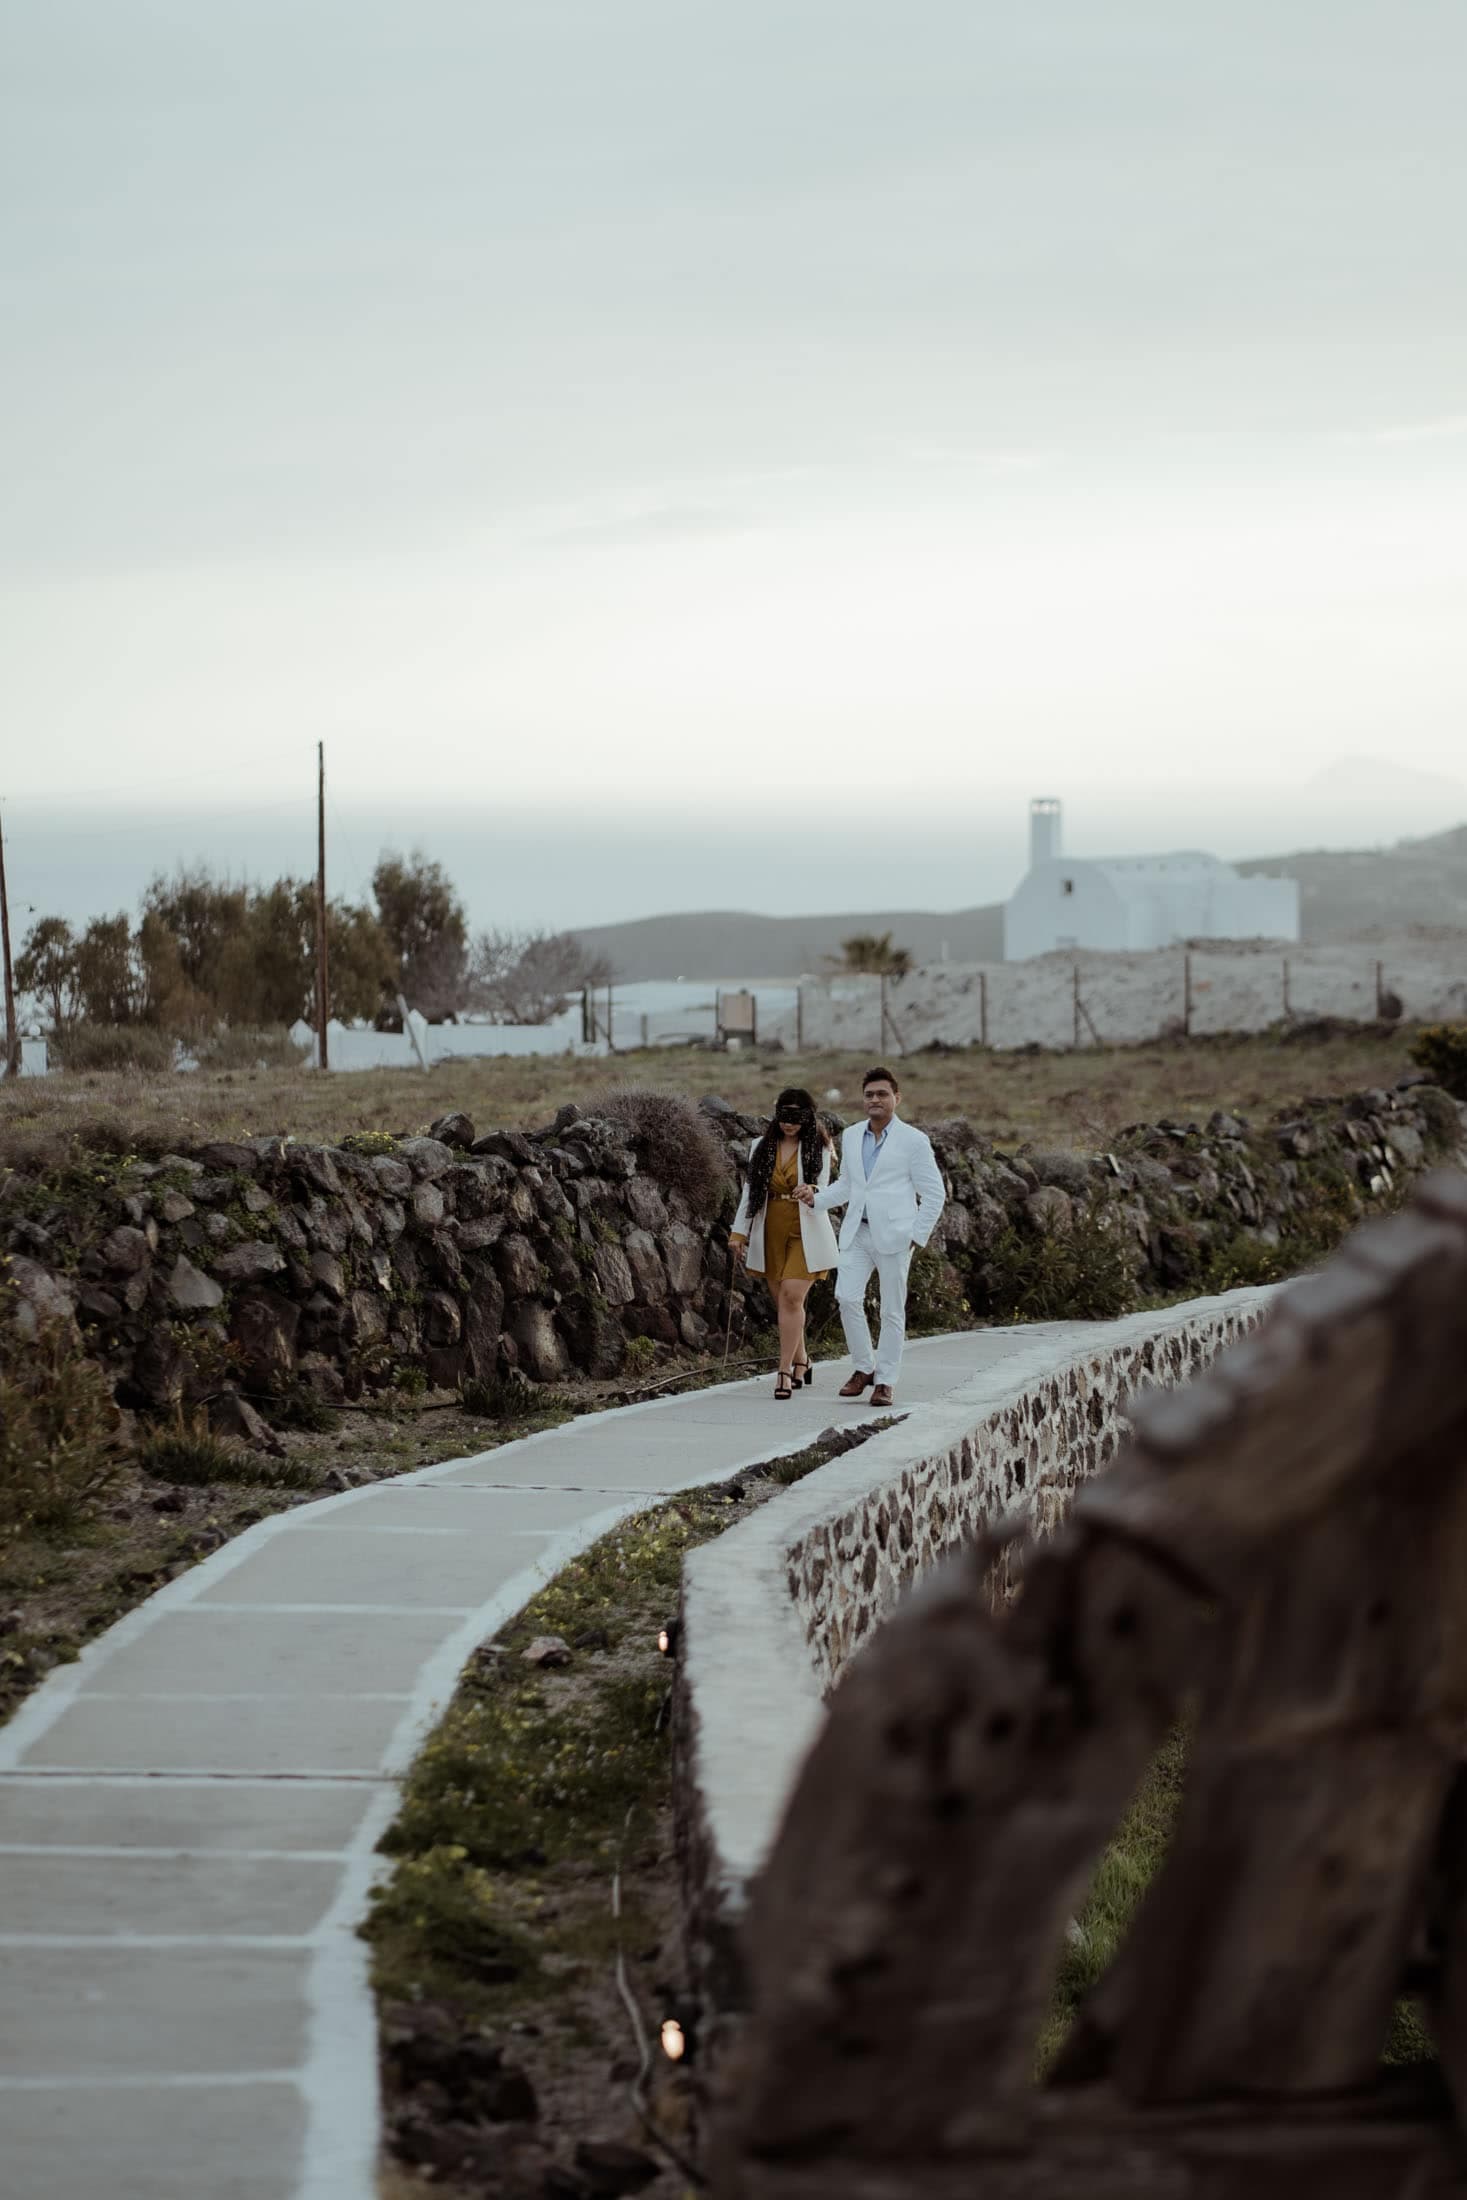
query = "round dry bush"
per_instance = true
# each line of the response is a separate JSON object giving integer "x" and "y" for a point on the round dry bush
{"x": 113, "y": 1047}
{"x": 673, "y": 1142}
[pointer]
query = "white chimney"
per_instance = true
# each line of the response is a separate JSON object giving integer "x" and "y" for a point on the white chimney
{"x": 1044, "y": 829}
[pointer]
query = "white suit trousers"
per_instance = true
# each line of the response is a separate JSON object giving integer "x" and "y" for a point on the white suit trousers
{"x": 851, "y": 1279}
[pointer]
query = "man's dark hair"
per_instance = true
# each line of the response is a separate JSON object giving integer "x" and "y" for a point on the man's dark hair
{"x": 879, "y": 1076}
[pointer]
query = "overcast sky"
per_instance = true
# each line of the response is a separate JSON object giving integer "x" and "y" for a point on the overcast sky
{"x": 666, "y": 409}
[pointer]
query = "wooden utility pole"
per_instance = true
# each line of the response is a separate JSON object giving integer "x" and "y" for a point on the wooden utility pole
{"x": 323, "y": 992}
{"x": 12, "y": 1028}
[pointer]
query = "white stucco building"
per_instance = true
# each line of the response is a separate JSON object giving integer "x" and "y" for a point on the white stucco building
{"x": 1127, "y": 903}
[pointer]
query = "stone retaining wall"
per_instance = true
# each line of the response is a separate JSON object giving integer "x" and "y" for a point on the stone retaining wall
{"x": 774, "y": 1610}
{"x": 247, "y": 1270}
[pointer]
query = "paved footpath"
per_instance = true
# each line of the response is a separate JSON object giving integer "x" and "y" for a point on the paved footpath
{"x": 189, "y": 1814}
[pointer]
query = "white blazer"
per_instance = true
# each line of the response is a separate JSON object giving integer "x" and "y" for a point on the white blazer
{"x": 816, "y": 1235}
{"x": 901, "y": 1199}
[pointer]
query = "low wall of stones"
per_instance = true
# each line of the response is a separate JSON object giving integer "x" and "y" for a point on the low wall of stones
{"x": 774, "y": 1610}
{"x": 237, "y": 1273}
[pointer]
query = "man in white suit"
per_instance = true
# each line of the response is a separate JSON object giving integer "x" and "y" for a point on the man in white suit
{"x": 892, "y": 1192}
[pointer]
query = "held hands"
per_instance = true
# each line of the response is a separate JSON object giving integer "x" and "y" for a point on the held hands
{"x": 806, "y": 1195}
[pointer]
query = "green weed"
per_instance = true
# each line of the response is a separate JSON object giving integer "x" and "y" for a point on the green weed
{"x": 1441, "y": 1050}
{"x": 185, "y": 1450}
{"x": 58, "y": 1453}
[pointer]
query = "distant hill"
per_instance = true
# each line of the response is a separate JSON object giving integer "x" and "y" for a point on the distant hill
{"x": 734, "y": 943}
{"x": 1345, "y": 894}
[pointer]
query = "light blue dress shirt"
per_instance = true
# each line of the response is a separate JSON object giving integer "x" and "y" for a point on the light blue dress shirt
{"x": 871, "y": 1146}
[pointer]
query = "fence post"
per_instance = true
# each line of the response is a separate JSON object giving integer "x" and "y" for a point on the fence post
{"x": 1287, "y": 1011}
{"x": 881, "y": 1026}
{"x": 608, "y": 1020}
{"x": 1187, "y": 993}
{"x": 799, "y": 1019}
{"x": 588, "y": 1017}
{"x": 1380, "y": 993}
{"x": 1075, "y": 999}
{"x": 983, "y": 1008}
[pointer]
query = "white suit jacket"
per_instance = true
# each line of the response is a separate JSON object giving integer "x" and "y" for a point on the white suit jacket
{"x": 816, "y": 1235}
{"x": 901, "y": 1199}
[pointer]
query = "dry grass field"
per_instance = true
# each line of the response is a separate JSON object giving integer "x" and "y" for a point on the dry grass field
{"x": 1080, "y": 1098}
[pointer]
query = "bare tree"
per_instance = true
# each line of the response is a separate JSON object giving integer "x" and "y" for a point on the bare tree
{"x": 530, "y": 977}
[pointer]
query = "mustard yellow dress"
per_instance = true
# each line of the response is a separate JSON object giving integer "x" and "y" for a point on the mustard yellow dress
{"x": 784, "y": 1248}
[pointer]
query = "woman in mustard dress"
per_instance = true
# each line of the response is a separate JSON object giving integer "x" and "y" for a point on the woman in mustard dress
{"x": 779, "y": 1238}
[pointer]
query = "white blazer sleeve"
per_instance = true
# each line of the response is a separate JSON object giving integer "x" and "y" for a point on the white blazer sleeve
{"x": 837, "y": 1194}
{"x": 930, "y": 1189}
{"x": 741, "y": 1219}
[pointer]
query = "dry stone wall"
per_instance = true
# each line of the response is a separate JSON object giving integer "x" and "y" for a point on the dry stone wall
{"x": 1024, "y": 1460}
{"x": 257, "y": 1267}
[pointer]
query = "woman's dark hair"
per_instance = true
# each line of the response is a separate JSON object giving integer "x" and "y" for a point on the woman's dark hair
{"x": 794, "y": 1105}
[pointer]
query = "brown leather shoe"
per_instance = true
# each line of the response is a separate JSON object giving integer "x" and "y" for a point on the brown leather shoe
{"x": 856, "y": 1385}
{"x": 881, "y": 1395}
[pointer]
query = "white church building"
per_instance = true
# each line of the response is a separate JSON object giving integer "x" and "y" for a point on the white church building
{"x": 1129, "y": 903}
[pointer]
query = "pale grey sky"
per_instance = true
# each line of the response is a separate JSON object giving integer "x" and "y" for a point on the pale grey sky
{"x": 632, "y": 407}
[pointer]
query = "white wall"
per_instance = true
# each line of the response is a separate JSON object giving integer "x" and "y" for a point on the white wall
{"x": 1133, "y": 908}
{"x": 1256, "y": 909}
{"x": 1041, "y": 914}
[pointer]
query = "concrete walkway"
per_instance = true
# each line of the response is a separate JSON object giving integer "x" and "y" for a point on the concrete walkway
{"x": 189, "y": 1815}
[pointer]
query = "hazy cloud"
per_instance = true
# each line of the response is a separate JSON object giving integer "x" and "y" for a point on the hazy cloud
{"x": 1004, "y": 367}
{"x": 662, "y": 523}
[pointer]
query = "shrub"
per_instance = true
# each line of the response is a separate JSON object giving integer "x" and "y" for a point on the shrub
{"x": 935, "y": 1301}
{"x": 1243, "y": 1259}
{"x": 186, "y": 1450}
{"x": 1084, "y": 1273}
{"x": 299, "y": 1406}
{"x": 675, "y": 1143}
{"x": 641, "y": 1355}
{"x": 1441, "y": 1050}
{"x": 1444, "y": 1131}
{"x": 58, "y": 1450}
{"x": 106, "y": 1047}
{"x": 233, "y": 1048}
{"x": 448, "y": 1910}
{"x": 510, "y": 1397}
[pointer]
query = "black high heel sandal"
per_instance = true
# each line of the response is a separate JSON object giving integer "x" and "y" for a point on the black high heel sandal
{"x": 803, "y": 1371}
{"x": 782, "y": 1389}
